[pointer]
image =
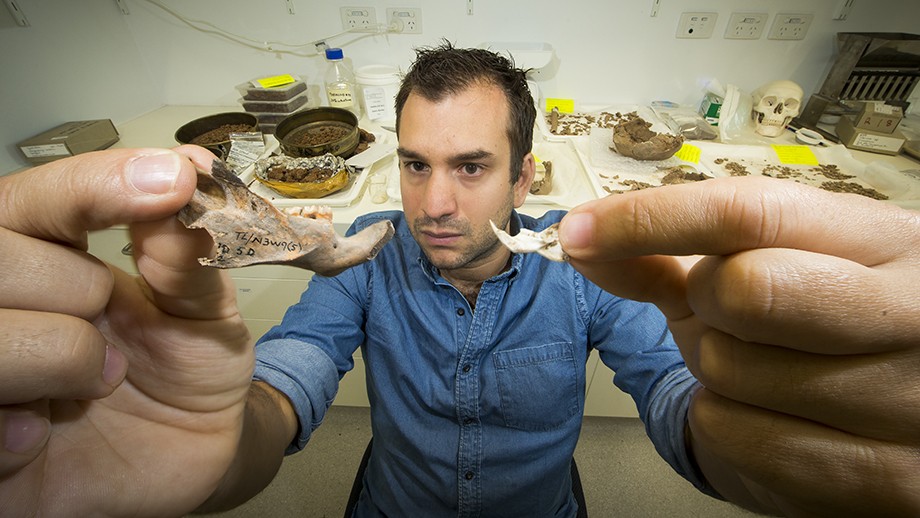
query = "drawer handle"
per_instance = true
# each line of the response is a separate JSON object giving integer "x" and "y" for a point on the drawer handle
{"x": 128, "y": 249}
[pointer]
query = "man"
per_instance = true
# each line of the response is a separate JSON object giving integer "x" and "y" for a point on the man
{"x": 154, "y": 396}
{"x": 475, "y": 357}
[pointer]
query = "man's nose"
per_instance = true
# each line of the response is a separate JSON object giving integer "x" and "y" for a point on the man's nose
{"x": 440, "y": 196}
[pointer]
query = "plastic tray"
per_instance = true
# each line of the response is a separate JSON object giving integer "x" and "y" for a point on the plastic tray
{"x": 610, "y": 172}
{"x": 763, "y": 160}
{"x": 347, "y": 196}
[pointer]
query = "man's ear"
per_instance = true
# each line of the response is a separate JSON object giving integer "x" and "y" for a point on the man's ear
{"x": 522, "y": 186}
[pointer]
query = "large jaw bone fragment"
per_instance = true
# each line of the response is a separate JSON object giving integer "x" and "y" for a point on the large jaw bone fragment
{"x": 249, "y": 230}
{"x": 545, "y": 242}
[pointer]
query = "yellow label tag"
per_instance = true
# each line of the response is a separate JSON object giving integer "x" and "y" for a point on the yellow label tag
{"x": 271, "y": 82}
{"x": 564, "y": 105}
{"x": 689, "y": 152}
{"x": 794, "y": 155}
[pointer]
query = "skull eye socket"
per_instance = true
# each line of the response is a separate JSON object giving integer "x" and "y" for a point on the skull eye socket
{"x": 792, "y": 103}
{"x": 769, "y": 100}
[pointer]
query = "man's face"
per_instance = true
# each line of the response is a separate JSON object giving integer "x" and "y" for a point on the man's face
{"x": 454, "y": 161}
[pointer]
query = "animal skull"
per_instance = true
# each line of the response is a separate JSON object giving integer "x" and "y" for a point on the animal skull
{"x": 775, "y": 104}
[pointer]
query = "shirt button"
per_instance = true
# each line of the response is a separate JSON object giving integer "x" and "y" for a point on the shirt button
{"x": 461, "y": 312}
{"x": 469, "y": 475}
{"x": 468, "y": 420}
{"x": 467, "y": 367}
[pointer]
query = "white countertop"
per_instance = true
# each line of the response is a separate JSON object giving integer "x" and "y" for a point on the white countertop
{"x": 572, "y": 184}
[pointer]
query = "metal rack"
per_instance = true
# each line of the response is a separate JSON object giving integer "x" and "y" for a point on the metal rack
{"x": 870, "y": 66}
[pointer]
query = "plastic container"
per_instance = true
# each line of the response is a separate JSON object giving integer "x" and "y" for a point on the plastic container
{"x": 340, "y": 83}
{"x": 287, "y": 106}
{"x": 378, "y": 86}
{"x": 252, "y": 91}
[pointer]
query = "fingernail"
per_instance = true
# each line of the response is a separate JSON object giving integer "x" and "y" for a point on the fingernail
{"x": 116, "y": 366}
{"x": 24, "y": 432}
{"x": 577, "y": 230}
{"x": 154, "y": 174}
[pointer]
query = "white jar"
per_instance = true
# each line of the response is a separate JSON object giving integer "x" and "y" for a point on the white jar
{"x": 378, "y": 85}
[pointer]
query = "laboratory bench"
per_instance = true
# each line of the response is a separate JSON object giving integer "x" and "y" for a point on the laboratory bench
{"x": 265, "y": 291}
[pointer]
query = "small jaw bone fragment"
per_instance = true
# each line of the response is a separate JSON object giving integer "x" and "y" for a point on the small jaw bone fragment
{"x": 249, "y": 230}
{"x": 545, "y": 242}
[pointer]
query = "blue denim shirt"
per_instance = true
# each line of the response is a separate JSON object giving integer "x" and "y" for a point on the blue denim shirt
{"x": 473, "y": 413}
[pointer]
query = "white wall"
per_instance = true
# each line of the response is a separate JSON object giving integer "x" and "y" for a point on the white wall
{"x": 86, "y": 60}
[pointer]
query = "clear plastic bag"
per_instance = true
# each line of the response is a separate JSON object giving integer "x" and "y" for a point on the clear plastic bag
{"x": 683, "y": 120}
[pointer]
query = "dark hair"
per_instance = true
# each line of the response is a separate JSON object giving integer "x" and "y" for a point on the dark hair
{"x": 444, "y": 70}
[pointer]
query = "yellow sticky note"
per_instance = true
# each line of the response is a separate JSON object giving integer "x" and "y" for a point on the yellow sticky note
{"x": 795, "y": 155}
{"x": 273, "y": 81}
{"x": 564, "y": 105}
{"x": 689, "y": 153}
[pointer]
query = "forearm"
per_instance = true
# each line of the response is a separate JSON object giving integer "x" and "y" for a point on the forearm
{"x": 269, "y": 425}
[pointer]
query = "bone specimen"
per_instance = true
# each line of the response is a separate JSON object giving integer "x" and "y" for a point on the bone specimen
{"x": 543, "y": 178}
{"x": 545, "y": 243}
{"x": 249, "y": 230}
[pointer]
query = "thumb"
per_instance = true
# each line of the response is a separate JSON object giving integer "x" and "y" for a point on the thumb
{"x": 62, "y": 200}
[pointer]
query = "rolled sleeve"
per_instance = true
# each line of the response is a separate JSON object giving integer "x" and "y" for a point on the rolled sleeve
{"x": 666, "y": 426}
{"x": 303, "y": 373}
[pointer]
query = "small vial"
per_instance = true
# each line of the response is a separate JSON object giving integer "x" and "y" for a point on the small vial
{"x": 378, "y": 188}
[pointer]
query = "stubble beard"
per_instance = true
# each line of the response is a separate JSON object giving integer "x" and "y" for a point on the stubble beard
{"x": 480, "y": 242}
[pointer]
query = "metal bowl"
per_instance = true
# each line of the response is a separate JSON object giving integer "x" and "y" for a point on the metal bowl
{"x": 198, "y": 127}
{"x": 301, "y": 134}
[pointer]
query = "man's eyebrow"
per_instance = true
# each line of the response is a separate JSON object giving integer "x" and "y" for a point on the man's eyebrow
{"x": 468, "y": 156}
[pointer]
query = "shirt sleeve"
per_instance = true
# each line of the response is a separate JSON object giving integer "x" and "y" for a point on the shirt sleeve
{"x": 303, "y": 373}
{"x": 306, "y": 355}
{"x": 633, "y": 340}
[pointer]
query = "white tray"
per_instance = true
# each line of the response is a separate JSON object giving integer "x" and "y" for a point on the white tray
{"x": 763, "y": 160}
{"x": 611, "y": 172}
{"x": 343, "y": 198}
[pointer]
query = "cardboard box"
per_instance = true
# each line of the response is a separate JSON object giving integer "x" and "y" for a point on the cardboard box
{"x": 866, "y": 140}
{"x": 68, "y": 139}
{"x": 880, "y": 117}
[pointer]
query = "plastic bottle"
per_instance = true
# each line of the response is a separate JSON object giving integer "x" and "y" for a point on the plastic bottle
{"x": 340, "y": 83}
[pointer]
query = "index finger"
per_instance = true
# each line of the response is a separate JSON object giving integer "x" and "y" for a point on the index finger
{"x": 728, "y": 215}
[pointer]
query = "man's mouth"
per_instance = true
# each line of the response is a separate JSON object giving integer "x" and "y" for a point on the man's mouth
{"x": 441, "y": 237}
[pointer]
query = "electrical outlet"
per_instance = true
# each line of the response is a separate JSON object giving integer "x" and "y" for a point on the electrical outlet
{"x": 790, "y": 26}
{"x": 696, "y": 25}
{"x": 359, "y": 19}
{"x": 745, "y": 26}
{"x": 405, "y": 20}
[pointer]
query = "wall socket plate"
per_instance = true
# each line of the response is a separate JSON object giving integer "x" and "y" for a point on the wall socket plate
{"x": 745, "y": 26}
{"x": 404, "y": 20}
{"x": 696, "y": 25}
{"x": 359, "y": 19}
{"x": 790, "y": 26}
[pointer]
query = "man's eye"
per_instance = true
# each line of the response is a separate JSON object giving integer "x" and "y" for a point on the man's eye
{"x": 470, "y": 169}
{"x": 414, "y": 167}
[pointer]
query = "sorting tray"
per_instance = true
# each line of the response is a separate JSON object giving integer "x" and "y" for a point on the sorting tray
{"x": 610, "y": 172}
{"x": 835, "y": 165}
{"x": 343, "y": 198}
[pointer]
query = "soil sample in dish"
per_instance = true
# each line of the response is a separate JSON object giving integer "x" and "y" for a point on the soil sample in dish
{"x": 633, "y": 138}
{"x": 220, "y": 134}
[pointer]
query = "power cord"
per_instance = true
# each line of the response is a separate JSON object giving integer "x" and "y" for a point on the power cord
{"x": 319, "y": 46}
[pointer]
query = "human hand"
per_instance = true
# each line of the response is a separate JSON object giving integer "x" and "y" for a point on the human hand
{"x": 802, "y": 323}
{"x": 118, "y": 395}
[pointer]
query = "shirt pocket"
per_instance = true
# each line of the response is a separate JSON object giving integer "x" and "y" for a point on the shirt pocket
{"x": 537, "y": 386}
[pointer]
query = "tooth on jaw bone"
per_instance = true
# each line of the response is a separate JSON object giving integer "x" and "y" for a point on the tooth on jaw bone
{"x": 545, "y": 242}
{"x": 248, "y": 230}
